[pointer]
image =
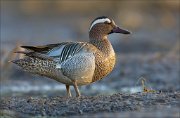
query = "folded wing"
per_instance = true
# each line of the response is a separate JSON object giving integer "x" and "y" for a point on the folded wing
{"x": 57, "y": 52}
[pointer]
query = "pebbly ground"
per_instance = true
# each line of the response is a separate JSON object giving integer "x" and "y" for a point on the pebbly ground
{"x": 137, "y": 104}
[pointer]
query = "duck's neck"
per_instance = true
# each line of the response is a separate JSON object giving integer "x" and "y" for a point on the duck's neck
{"x": 101, "y": 42}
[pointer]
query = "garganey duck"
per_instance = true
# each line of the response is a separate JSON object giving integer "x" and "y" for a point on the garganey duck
{"x": 75, "y": 63}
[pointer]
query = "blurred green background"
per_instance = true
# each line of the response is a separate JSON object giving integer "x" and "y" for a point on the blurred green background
{"x": 151, "y": 51}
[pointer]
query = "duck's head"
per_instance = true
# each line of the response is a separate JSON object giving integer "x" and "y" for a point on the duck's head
{"x": 104, "y": 25}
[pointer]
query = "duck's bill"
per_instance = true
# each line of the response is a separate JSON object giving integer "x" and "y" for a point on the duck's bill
{"x": 119, "y": 30}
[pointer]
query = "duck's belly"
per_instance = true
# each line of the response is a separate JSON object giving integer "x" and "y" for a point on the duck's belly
{"x": 58, "y": 76}
{"x": 80, "y": 81}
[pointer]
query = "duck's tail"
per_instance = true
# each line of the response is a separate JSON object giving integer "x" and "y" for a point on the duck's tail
{"x": 35, "y": 63}
{"x": 27, "y": 64}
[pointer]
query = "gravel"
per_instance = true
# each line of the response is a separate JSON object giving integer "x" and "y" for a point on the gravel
{"x": 101, "y": 105}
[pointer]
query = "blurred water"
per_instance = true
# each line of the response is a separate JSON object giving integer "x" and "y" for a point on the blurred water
{"x": 26, "y": 88}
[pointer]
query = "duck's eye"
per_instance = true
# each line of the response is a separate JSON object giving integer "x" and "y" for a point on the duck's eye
{"x": 106, "y": 22}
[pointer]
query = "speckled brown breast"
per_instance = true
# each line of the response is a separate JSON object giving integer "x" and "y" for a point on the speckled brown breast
{"x": 104, "y": 65}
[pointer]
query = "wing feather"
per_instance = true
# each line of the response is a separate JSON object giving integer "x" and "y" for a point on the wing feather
{"x": 60, "y": 52}
{"x": 44, "y": 48}
{"x": 36, "y": 55}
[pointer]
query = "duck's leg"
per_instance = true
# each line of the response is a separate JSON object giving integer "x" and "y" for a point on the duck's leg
{"x": 76, "y": 89}
{"x": 68, "y": 91}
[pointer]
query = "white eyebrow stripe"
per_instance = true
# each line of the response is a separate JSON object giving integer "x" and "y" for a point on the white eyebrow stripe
{"x": 100, "y": 21}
